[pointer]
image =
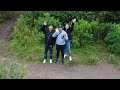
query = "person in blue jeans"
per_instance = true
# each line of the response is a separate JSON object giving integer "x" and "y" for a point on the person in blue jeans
{"x": 61, "y": 37}
{"x": 48, "y": 31}
{"x": 68, "y": 30}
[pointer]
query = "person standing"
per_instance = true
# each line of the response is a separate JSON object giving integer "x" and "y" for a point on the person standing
{"x": 48, "y": 32}
{"x": 69, "y": 30}
{"x": 61, "y": 37}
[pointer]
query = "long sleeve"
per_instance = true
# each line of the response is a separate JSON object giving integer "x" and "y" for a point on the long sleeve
{"x": 55, "y": 34}
{"x": 71, "y": 28}
{"x": 43, "y": 28}
{"x": 66, "y": 36}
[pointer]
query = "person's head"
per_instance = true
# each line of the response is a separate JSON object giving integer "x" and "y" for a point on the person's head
{"x": 50, "y": 27}
{"x": 60, "y": 28}
{"x": 67, "y": 26}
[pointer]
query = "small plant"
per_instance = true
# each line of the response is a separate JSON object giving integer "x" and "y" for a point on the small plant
{"x": 12, "y": 70}
{"x": 91, "y": 60}
{"x": 111, "y": 60}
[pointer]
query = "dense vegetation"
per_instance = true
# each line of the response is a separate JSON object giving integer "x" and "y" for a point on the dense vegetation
{"x": 91, "y": 27}
{"x": 4, "y": 15}
{"x": 12, "y": 70}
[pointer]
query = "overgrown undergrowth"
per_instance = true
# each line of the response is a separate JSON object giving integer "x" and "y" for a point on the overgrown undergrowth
{"x": 92, "y": 54}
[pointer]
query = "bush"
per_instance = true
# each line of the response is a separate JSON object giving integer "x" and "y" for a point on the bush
{"x": 50, "y": 20}
{"x": 12, "y": 70}
{"x": 27, "y": 35}
{"x": 113, "y": 40}
{"x": 4, "y": 15}
{"x": 28, "y": 39}
{"x": 82, "y": 34}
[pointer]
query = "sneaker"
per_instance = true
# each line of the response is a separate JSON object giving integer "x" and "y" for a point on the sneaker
{"x": 44, "y": 61}
{"x": 65, "y": 55}
{"x": 50, "y": 60}
{"x": 70, "y": 58}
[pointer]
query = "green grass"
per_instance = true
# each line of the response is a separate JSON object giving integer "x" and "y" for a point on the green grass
{"x": 92, "y": 54}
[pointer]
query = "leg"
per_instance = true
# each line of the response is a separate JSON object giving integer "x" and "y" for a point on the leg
{"x": 51, "y": 52}
{"x": 57, "y": 52}
{"x": 69, "y": 51}
{"x": 62, "y": 53}
{"x": 65, "y": 50}
{"x": 45, "y": 51}
{"x": 68, "y": 48}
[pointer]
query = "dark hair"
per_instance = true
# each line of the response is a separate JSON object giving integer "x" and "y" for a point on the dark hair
{"x": 60, "y": 26}
{"x": 51, "y": 25}
{"x": 66, "y": 23}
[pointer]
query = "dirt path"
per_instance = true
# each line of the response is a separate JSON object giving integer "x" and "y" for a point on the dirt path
{"x": 57, "y": 71}
{"x": 6, "y": 28}
{"x": 53, "y": 71}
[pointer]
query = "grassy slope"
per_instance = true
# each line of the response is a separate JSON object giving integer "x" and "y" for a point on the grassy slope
{"x": 92, "y": 54}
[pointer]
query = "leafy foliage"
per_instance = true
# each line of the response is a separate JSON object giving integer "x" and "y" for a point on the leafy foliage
{"x": 12, "y": 70}
{"x": 4, "y": 15}
{"x": 113, "y": 40}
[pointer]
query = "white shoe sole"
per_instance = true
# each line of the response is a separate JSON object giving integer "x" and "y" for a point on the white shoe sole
{"x": 65, "y": 56}
{"x": 44, "y": 61}
{"x": 70, "y": 59}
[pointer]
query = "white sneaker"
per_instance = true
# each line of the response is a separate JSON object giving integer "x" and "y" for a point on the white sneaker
{"x": 50, "y": 60}
{"x": 65, "y": 55}
{"x": 44, "y": 61}
{"x": 70, "y": 58}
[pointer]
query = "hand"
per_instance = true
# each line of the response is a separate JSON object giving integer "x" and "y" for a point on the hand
{"x": 64, "y": 36}
{"x": 56, "y": 29}
{"x": 74, "y": 20}
{"x": 45, "y": 23}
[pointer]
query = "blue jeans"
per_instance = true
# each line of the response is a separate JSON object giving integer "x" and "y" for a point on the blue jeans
{"x": 67, "y": 48}
{"x": 47, "y": 47}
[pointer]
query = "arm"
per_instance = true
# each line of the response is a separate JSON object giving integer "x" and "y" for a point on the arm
{"x": 44, "y": 27}
{"x": 66, "y": 36}
{"x": 55, "y": 33}
{"x": 71, "y": 28}
{"x": 73, "y": 21}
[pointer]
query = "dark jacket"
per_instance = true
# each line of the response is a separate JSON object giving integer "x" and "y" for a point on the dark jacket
{"x": 48, "y": 35}
{"x": 69, "y": 31}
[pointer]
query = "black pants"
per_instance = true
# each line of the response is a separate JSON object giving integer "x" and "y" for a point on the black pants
{"x": 47, "y": 47}
{"x": 60, "y": 48}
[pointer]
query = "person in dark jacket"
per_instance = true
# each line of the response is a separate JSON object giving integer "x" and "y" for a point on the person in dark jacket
{"x": 69, "y": 30}
{"x": 48, "y": 31}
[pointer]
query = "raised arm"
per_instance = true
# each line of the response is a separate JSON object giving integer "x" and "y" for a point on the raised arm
{"x": 44, "y": 27}
{"x": 55, "y": 33}
{"x": 73, "y": 21}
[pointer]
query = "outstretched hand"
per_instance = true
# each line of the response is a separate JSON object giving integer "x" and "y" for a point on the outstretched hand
{"x": 74, "y": 20}
{"x": 45, "y": 23}
{"x": 56, "y": 29}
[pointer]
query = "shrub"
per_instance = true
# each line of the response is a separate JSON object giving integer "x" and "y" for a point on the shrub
{"x": 81, "y": 34}
{"x": 113, "y": 40}
{"x": 28, "y": 39}
{"x": 4, "y": 15}
{"x": 12, "y": 70}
